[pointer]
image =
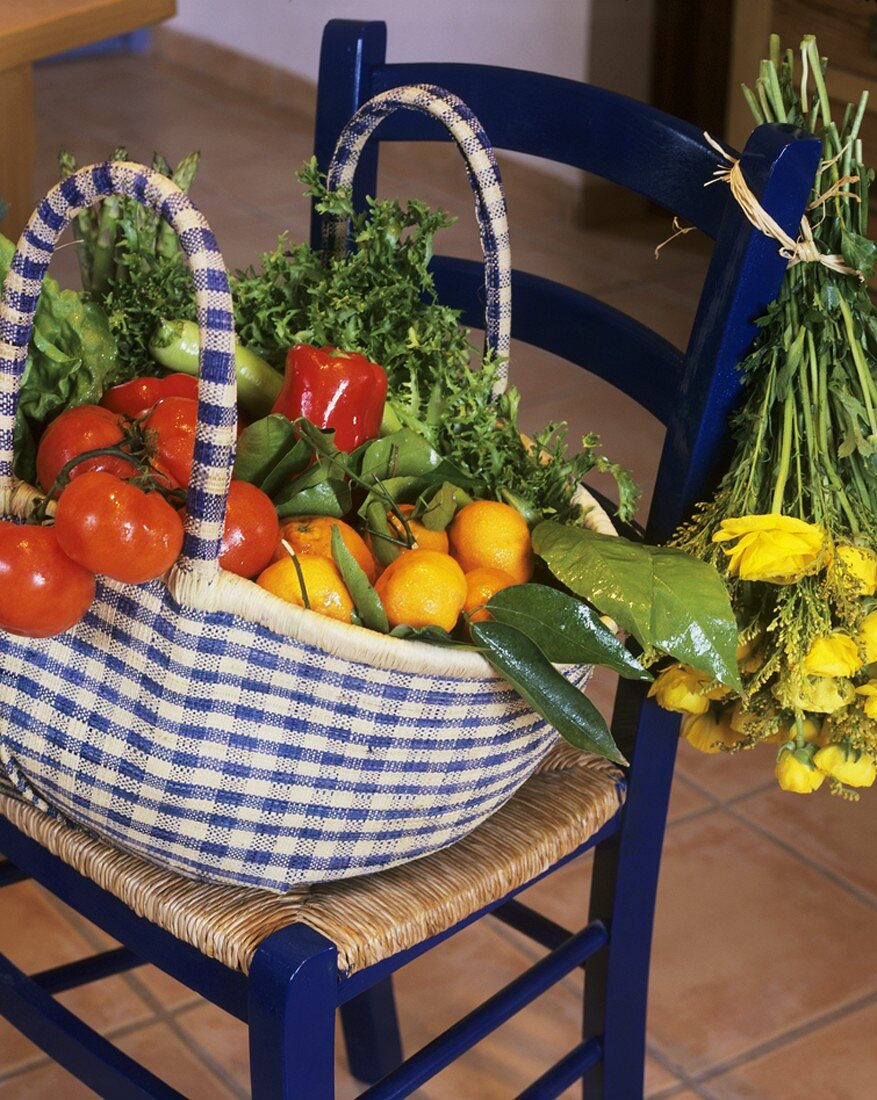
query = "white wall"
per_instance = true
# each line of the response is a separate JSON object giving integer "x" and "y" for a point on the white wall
{"x": 544, "y": 35}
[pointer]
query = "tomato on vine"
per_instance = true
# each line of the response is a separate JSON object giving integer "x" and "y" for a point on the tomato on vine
{"x": 251, "y": 531}
{"x": 76, "y": 431}
{"x": 170, "y": 431}
{"x": 113, "y": 527}
{"x": 42, "y": 591}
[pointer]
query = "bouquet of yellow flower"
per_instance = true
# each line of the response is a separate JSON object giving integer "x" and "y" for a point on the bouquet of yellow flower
{"x": 793, "y": 525}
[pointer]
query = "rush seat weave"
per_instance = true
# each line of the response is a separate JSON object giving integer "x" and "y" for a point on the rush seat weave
{"x": 371, "y": 917}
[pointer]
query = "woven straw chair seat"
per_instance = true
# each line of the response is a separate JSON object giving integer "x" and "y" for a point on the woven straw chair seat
{"x": 371, "y": 917}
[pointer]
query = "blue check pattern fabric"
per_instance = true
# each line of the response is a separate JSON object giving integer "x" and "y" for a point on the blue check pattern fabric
{"x": 224, "y": 751}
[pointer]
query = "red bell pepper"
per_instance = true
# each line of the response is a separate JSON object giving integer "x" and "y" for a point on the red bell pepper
{"x": 334, "y": 389}
{"x": 137, "y": 397}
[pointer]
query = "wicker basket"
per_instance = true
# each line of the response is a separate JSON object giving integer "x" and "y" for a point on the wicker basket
{"x": 206, "y": 725}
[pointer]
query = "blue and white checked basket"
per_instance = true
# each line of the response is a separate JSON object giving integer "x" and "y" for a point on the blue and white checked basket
{"x": 206, "y": 725}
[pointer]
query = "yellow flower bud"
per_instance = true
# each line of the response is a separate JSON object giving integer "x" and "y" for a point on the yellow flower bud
{"x": 832, "y": 655}
{"x": 707, "y": 732}
{"x": 819, "y": 694}
{"x": 683, "y": 689}
{"x": 795, "y": 771}
{"x": 775, "y": 548}
{"x": 868, "y": 637}
{"x": 869, "y": 691}
{"x": 846, "y": 765}
{"x": 859, "y": 569}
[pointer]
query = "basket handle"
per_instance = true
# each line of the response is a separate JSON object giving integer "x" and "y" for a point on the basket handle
{"x": 217, "y": 413}
{"x": 484, "y": 178}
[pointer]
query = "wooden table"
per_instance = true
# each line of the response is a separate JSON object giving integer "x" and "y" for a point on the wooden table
{"x": 34, "y": 29}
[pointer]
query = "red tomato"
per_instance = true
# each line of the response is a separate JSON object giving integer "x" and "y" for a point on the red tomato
{"x": 75, "y": 431}
{"x": 137, "y": 397}
{"x": 42, "y": 591}
{"x": 173, "y": 420}
{"x": 110, "y": 526}
{"x": 251, "y": 530}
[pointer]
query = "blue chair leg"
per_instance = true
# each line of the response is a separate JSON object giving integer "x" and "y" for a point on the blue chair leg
{"x": 293, "y": 985}
{"x": 371, "y": 1033}
{"x": 623, "y": 891}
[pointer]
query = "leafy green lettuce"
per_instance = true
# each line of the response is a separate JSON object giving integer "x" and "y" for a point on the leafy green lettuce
{"x": 71, "y": 361}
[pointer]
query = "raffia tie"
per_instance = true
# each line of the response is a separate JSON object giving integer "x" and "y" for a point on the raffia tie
{"x": 802, "y": 250}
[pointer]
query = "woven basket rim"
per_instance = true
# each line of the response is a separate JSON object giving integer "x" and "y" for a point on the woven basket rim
{"x": 346, "y": 641}
{"x": 244, "y": 598}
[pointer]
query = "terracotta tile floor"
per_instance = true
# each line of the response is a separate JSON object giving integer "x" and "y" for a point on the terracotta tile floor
{"x": 765, "y": 964}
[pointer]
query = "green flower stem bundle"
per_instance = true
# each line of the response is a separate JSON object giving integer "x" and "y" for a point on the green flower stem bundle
{"x": 793, "y": 525}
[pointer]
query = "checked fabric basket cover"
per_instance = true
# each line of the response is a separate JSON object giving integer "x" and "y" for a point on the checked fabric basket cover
{"x": 204, "y": 724}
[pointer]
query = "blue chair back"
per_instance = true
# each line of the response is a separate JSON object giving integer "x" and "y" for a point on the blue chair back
{"x": 641, "y": 149}
{"x": 692, "y": 392}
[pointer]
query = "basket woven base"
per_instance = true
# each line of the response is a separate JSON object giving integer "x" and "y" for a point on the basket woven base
{"x": 372, "y": 917}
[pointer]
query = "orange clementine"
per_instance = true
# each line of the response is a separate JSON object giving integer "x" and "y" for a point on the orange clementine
{"x": 309, "y": 535}
{"x": 481, "y": 584}
{"x": 422, "y": 588}
{"x": 424, "y": 539}
{"x": 327, "y": 592}
{"x": 489, "y": 534}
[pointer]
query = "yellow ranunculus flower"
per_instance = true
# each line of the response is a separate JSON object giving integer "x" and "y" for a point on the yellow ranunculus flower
{"x": 796, "y": 772}
{"x": 868, "y": 637}
{"x": 869, "y": 691}
{"x": 708, "y": 733}
{"x": 833, "y": 655}
{"x": 861, "y": 568}
{"x": 819, "y": 694}
{"x": 749, "y": 655}
{"x": 682, "y": 689}
{"x": 773, "y": 547}
{"x": 846, "y": 765}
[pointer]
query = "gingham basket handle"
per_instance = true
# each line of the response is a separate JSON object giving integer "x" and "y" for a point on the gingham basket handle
{"x": 484, "y": 178}
{"x": 217, "y": 416}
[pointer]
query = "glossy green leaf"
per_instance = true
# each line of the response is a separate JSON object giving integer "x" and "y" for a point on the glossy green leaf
{"x": 261, "y": 446}
{"x": 565, "y": 629}
{"x": 435, "y": 635}
{"x": 384, "y": 540}
{"x": 366, "y": 600}
{"x": 329, "y": 498}
{"x": 402, "y": 454}
{"x": 547, "y": 691}
{"x": 667, "y": 599}
{"x": 443, "y": 506}
{"x": 292, "y": 463}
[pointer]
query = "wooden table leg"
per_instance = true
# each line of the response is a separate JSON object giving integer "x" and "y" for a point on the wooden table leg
{"x": 17, "y": 147}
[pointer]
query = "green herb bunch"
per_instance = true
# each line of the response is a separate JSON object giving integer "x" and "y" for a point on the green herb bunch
{"x": 793, "y": 525}
{"x": 380, "y": 300}
{"x": 132, "y": 265}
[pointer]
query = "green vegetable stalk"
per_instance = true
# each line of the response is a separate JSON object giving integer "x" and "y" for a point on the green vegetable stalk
{"x": 793, "y": 525}
{"x": 176, "y": 344}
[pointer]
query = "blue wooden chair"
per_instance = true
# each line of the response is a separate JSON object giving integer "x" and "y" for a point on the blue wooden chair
{"x": 293, "y": 988}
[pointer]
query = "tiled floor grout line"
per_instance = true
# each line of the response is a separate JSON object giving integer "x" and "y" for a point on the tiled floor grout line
{"x": 672, "y": 1067}
{"x": 160, "y": 1013}
{"x": 838, "y": 880}
{"x": 111, "y": 1034}
{"x": 784, "y": 1040}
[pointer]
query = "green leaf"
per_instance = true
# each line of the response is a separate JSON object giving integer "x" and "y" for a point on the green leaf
{"x": 443, "y": 506}
{"x": 435, "y": 635}
{"x": 385, "y": 549}
{"x": 667, "y": 599}
{"x": 547, "y": 691}
{"x": 858, "y": 251}
{"x": 262, "y": 446}
{"x": 366, "y": 600}
{"x": 329, "y": 498}
{"x": 564, "y": 628}
{"x": 402, "y": 454}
